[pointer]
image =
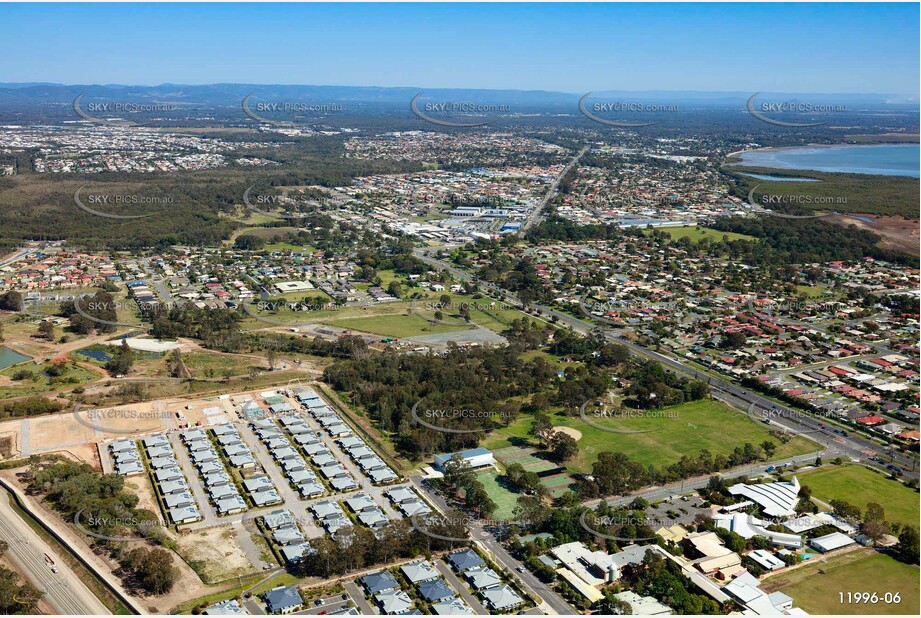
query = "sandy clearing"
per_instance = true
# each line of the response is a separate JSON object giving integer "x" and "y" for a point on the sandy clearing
{"x": 569, "y": 431}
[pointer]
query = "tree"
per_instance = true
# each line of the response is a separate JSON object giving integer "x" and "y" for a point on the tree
{"x": 768, "y": 447}
{"x": 11, "y": 301}
{"x": 46, "y": 330}
{"x": 174, "y": 364}
{"x": 563, "y": 446}
{"x": 17, "y": 596}
{"x": 271, "y": 356}
{"x": 122, "y": 361}
{"x": 611, "y": 606}
{"x": 907, "y": 549}
{"x": 845, "y": 510}
{"x": 395, "y": 289}
{"x": 541, "y": 428}
{"x": 531, "y": 510}
{"x": 152, "y": 569}
{"x": 874, "y": 512}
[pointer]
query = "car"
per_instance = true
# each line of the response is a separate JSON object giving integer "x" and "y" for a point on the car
{"x": 319, "y": 602}
{"x": 520, "y": 569}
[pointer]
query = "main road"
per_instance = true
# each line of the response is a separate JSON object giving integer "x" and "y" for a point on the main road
{"x": 537, "y": 213}
{"x": 794, "y": 421}
{"x": 63, "y": 590}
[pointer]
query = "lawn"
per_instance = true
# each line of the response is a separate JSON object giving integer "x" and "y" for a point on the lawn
{"x": 396, "y": 319}
{"x": 505, "y": 500}
{"x": 856, "y": 571}
{"x": 857, "y": 485}
{"x": 697, "y": 233}
{"x": 681, "y": 430}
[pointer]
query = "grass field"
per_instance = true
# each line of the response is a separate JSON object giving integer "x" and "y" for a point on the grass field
{"x": 396, "y": 319}
{"x": 683, "y": 430}
{"x": 505, "y": 500}
{"x": 857, "y": 485}
{"x": 856, "y": 571}
{"x": 697, "y": 233}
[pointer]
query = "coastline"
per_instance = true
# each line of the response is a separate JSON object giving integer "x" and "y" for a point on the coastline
{"x": 847, "y": 145}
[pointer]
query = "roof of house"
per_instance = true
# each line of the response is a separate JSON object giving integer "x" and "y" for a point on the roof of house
{"x": 393, "y": 601}
{"x": 281, "y": 598}
{"x": 419, "y": 571}
{"x": 465, "y": 559}
{"x": 501, "y": 597}
{"x": 435, "y": 590}
{"x": 376, "y": 582}
{"x": 451, "y": 607}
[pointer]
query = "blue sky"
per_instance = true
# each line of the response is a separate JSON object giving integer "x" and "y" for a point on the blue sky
{"x": 864, "y": 48}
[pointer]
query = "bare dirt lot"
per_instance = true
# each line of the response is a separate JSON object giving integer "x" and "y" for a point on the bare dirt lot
{"x": 575, "y": 434}
{"x": 215, "y": 553}
{"x": 898, "y": 233}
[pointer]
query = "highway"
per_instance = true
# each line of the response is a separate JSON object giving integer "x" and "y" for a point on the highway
{"x": 795, "y": 421}
{"x": 64, "y": 591}
{"x": 537, "y": 213}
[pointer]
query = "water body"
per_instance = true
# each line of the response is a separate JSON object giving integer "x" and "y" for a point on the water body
{"x": 881, "y": 159}
{"x": 782, "y": 178}
{"x": 99, "y": 355}
{"x": 8, "y": 358}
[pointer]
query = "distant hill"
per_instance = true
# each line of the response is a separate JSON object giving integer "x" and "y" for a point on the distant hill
{"x": 219, "y": 95}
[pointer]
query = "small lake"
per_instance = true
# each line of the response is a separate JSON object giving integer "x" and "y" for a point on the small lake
{"x": 878, "y": 159}
{"x": 8, "y": 357}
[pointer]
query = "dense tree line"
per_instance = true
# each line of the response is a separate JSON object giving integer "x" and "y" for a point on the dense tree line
{"x": 464, "y": 390}
{"x": 99, "y": 504}
{"x": 801, "y": 241}
{"x": 218, "y": 329}
{"x": 31, "y": 406}
{"x": 17, "y": 596}
{"x": 616, "y": 474}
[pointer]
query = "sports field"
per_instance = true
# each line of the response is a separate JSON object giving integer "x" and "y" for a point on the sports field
{"x": 556, "y": 481}
{"x": 505, "y": 500}
{"x": 817, "y": 587}
{"x": 397, "y": 319}
{"x": 857, "y": 485}
{"x": 697, "y": 234}
{"x": 677, "y": 431}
